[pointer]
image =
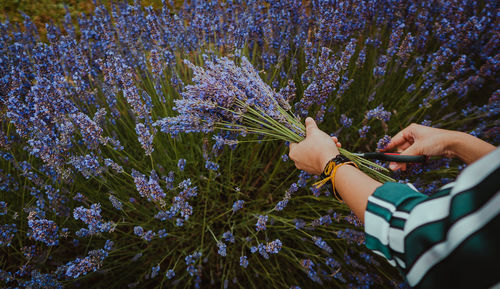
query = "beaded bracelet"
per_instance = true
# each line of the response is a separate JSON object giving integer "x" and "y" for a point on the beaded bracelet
{"x": 328, "y": 174}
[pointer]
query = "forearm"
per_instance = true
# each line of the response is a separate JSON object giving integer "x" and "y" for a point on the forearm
{"x": 355, "y": 187}
{"x": 468, "y": 148}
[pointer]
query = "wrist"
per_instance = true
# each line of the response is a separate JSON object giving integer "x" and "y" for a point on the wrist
{"x": 455, "y": 140}
{"x": 468, "y": 148}
{"x": 325, "y": 159}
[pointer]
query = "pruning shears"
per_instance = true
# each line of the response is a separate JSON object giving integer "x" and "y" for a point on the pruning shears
{"x": 392, "y": 157}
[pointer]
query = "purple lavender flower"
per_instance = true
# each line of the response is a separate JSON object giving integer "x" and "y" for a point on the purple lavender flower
{"x": 149, "y": 189}
{"x": 244, "y": 261}
{"x": 394, "y": 39}
{"x": 138, "y": 231}
{"x": 261, "y": 248}
{"x": 352, "y": 236}
{"x": 318, "y": 241}
{"x": 223, "y": 140}
{"x": 155, "y": 270}
{"x": 330, "y": 262}
{"x": 228, "y": 237}
{"x": 181, "y": 164}
{"x": 222, "y": 249}
{"x": 322, "y": 221}
{"x": 148, "y": 236}
{"x": 170, "y": 274}
{"x": 363, "y": 131}
{"x": 288, "y": 194}
{"x": 3, "y": 208}
{"x": 289, "y": 90}
{"x": 303, "y": 177}
{"x": 315, "y": 191}
{"x": 108, "y": 246}
{"x": 345, "y": 121}
{"x": 274, "y": 247}
{"x": 88, "y": 165}
{"x": 7, "y": 233}
{"x": 191, "y": 258}
{"x": 361, "y": 57}
{"x": 406, "y": 48}
{"x": 169, "y": 179}
{"x": 116, "y": 167}
{"x": 92, "y": 218}
{"x": 238, "y": 205}
{"x": 43, "y": 230}
{"x": 115, "y": 202}
{"x": 299, "y": 224}
{"x": 426, "y": 122}
{"x": 383, "y": 142}
{"x": 326, "y": 71}
{"x": 411, "y": 88}
{"x": 91, "y": 131}
{"x": 80, "y": 267}
{"x": 261, "y": 223}
{"x": 379, "y": 70}
{"x": 378, "y": 113}
{"x": 162, "y": 233}
{"x": 211, "y": 165}
{"x": 307, "y": 264}
{"x": 281, "y": 205}
{"x": 145, "y": 137}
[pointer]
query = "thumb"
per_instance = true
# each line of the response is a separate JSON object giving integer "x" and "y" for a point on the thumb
{"x": 310, "y": 125}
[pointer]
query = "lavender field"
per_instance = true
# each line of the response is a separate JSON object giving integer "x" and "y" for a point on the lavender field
{"x": 123, "y": 163}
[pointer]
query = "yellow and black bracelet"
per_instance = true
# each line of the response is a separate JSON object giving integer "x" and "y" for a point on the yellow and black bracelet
{"x": 328, "y": 174}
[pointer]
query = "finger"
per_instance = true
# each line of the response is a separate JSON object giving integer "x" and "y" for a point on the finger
{"x": 412, "y": 150}
{"x": 335, "y": 140}
{"x": 397, "y": 166}
{"x": 339, "y": 144}
{"x": 310, "y": 125}
{"x": 397, "y": 140}
{"x": 394, "y": 166}
{"x": 291, "y": 153}
{"x": 403, "y": 147}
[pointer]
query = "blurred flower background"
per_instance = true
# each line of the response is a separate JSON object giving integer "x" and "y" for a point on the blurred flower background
{"x": 95, "y": 191}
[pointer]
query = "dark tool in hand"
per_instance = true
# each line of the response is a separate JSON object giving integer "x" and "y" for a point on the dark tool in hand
{"x": 392, "y": 157}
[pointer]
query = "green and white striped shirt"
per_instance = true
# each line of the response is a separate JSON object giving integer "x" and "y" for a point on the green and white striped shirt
{"x": 448, "y": 240}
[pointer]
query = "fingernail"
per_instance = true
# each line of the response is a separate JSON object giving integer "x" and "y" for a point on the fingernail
{"x": 393, "y": 166}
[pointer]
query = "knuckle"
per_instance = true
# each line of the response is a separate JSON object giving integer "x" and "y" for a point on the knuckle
{"x": 413, "y": 125}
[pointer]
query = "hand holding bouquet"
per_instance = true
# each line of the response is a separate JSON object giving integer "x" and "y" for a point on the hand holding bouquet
{"x": 234, "y": 98}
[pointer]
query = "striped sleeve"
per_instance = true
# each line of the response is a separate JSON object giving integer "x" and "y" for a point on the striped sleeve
{"x": 431, "y": 238}
{"x": 386, "y": 214}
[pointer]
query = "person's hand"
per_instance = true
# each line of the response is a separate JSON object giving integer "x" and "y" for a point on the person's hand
{"x": 421, "y": 140}
{"x": 313, "y": 153}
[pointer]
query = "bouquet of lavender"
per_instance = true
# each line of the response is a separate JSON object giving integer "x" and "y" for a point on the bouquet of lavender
{"x": 234, "y": 98}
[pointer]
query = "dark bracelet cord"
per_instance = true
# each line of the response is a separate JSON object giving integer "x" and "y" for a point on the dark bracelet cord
{"x": 339, "y": 159}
